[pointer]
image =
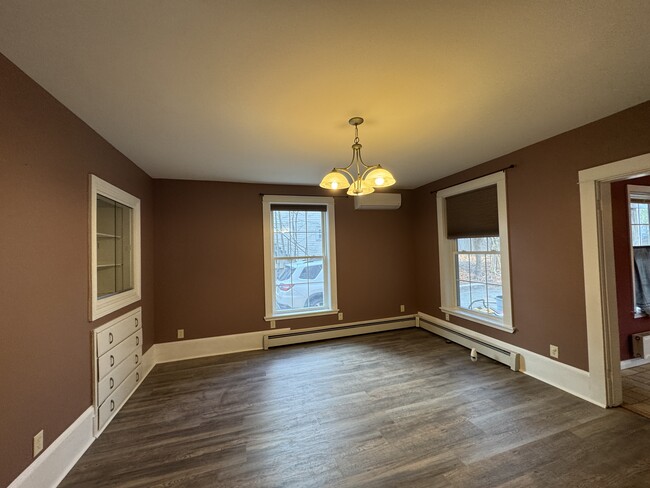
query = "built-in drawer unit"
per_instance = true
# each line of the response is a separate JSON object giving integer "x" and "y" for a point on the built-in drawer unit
{"x": 117, "y": 365}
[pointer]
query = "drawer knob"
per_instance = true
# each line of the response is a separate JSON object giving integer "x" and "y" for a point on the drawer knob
{"x": 111, "y": 382}
{"x": 137, "y": 341}
{"x": 137, "y": 358}
{"x": 136, "y": 322}
{"x": 110, "y": 338}
{"x": 112, "y": 405}
{"x": 137, "y": 377}
{"x": 112, "y": 360}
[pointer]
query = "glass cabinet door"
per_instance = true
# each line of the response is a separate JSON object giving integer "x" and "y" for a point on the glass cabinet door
{"x": 114, "y": 247}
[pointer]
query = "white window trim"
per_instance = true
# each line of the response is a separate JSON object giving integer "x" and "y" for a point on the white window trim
{"x": 104, "y": 306}
{"x": 269, "y": 270}
{"x": 446, "y": 248}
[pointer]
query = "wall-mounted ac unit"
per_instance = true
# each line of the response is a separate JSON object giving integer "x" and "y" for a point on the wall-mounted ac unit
{"x": 641, "y": 345}
{"x": 378, "y": 201}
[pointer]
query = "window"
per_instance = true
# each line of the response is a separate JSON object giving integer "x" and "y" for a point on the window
{"x": 115, "y": 248}
{"x": 473, "y": 243}
{"x": 299, "y": 256}
{"x": 639, "y": 205}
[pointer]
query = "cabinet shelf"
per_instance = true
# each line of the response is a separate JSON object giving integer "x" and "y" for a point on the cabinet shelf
{"x": 101, "y": 235}
{"x": 103, "y": 266}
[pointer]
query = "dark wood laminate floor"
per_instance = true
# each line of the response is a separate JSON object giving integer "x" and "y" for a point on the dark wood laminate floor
{"x": 383, "y": 410}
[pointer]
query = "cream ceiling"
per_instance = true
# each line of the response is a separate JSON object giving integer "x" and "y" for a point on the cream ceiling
{"x": 261, "y": 91}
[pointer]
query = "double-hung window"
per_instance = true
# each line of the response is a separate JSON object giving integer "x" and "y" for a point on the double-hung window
{"x": 299, "y": 256}
{"x": 473, "y": 246}
{"x": 639, "y": 206}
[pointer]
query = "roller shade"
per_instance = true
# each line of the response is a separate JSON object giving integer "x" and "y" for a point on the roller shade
{"x": 281, "y": 207}
{"x": 473, "y": 214}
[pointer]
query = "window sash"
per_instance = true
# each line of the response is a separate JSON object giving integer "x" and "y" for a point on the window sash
{"x": 448, "y": 254}
{"x": 325, "y": 281}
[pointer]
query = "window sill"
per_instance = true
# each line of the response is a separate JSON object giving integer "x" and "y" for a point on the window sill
{"x": 300, "y": 315}
{"x": 495, "y": 323}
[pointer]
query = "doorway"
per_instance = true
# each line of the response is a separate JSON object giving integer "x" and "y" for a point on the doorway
{"x": 600, "y": 274}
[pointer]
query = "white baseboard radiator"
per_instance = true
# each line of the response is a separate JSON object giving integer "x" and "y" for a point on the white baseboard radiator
{"x": 509, "y": 358}
{"x": 335, "y": 331}
{"x": 641, "y": 345}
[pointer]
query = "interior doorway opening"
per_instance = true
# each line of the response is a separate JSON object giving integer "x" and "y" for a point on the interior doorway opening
{"x": 602, "y": 308}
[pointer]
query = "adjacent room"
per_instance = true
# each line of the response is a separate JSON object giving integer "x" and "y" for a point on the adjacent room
{"x": 324, "y": 244}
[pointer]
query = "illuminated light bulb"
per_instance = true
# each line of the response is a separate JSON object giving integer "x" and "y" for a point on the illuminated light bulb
{"x": 334, "y": 180}
{"x": 380, "y": 177}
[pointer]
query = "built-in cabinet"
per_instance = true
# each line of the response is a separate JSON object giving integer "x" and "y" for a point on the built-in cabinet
{"x": 114, "y": 248}
{"x": 117, "y": 365}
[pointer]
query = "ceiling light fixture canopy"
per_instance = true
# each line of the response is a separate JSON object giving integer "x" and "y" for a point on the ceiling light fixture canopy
{"x": 368, "y": 177}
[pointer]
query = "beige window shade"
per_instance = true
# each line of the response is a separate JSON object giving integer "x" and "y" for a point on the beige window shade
{"x": 473, "y": 214}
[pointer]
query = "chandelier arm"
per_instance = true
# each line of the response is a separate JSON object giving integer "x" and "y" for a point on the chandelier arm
{"x": 361, "y": 160}
{"x": 346, "y": 172}
{"x": 368, "y": 170}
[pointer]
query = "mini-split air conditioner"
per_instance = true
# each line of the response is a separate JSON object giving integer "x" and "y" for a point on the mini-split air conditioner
{"x": 378, "y": 201}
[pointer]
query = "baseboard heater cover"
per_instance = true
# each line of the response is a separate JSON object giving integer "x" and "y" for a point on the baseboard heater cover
{"x": 509, "y": 358}
{"x": 310, "y": 335}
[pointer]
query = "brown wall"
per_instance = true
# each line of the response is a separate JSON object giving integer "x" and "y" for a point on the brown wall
{"x": 46, "y": 154}
{"x": 627, "y": 324}
{"x": 210, "y": 263}
{"x": 208, "y": 254}
{"x": 548, "y": 300}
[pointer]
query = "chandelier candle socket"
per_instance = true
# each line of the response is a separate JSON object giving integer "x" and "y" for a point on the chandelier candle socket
{"x": 368, "y": 177}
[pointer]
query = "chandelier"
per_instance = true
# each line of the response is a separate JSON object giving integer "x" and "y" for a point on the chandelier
{"x": 368, "y": 177}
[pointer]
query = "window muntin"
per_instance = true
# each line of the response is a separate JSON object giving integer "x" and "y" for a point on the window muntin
{"x": 299, "y": 256}
{"x": 474, "y": 268}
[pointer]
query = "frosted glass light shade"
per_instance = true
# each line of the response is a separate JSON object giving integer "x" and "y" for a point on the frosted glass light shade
{"x": 380, "y": 178}
{"x": 360, "y": 187}
{"x": 334, "y": 180}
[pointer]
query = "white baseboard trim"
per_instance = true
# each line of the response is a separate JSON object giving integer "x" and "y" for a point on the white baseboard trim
{"x": 166, "y": 352}
{"x": 634, "y": 362}
{"x": 49, "y": 469}
{"x": 557, "y": 374}
{"x": 148, "y": 362}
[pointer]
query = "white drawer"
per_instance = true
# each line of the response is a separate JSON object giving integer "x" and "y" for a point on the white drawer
{"x": 110, "y": 360}
{"x": 113, "y": 380}
{"x": 116, "y": 333}
{"x": 114, "y": 402}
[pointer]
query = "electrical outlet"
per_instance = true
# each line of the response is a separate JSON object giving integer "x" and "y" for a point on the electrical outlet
{"x": 180, "y": 333}
{"x": 38, "y": 443}
{"x": 340, "y": 315}
{"x": 447, "y": 317}
{"x": 554, "y": 351}
{"x": 402, "y": 308}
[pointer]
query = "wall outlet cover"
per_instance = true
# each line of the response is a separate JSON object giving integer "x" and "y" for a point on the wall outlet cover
{"x": 181, "y": 334}
{"x": 340, "y": 315}
{"x": 554, "y": 351}
{"x": 402, "y": 308}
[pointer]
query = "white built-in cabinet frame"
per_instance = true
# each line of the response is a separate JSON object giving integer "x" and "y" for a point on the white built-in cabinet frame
{"x": 103, "y": 306}
{"x": 446, "y": 248}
